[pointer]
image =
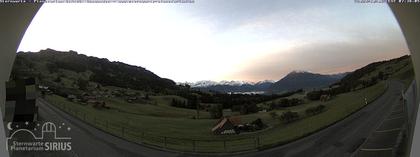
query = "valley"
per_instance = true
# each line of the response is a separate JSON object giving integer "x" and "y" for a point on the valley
{"x": 136, "y": 105}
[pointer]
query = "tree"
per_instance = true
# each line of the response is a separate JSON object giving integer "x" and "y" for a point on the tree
{"x": 274, "y": 115}
{"x": 216, "y": 111}
{"x": 284, "y": 102}
{"x": 58, "y": 79}
{"x": 381, "y": 75}
{"x": 52, "y": 67}
{"x": 289, "y": 116}
{"x": 314, "y": 95}
{"x": 273, "y": 105}
{"x": 178, "y": 103}
{"x": 249, "y": 108}
{"x": 82, "y": 84}
{"x": 194, "y": 102}
{"x": 315, "y": 110}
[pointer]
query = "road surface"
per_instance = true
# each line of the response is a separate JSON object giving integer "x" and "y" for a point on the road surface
{"x": 340, "y": 139}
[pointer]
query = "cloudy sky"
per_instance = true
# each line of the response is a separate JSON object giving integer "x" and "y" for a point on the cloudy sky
{"x": 248, "y": 40}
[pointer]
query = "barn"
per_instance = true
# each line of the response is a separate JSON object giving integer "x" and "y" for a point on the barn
{"x": 226, "y": 126}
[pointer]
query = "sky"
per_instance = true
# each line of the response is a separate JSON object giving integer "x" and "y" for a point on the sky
{"x": 247, "y": 40}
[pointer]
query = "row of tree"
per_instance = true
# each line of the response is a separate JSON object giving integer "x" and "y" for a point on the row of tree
{"x": 344, "y": 87}
{"x": 285, "y": 102}
{"x": 315, "y": 110}
{"x": 291, "y": 116}
{"x": 189, "y": 104}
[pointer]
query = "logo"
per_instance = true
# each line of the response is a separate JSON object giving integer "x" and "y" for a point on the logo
{"x": 34, "y": 137}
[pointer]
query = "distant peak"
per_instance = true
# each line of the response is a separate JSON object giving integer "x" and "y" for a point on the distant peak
{"x": 206, "y": 83}
{"x": 300, "y": 71}
{"x": 265, "y": 81}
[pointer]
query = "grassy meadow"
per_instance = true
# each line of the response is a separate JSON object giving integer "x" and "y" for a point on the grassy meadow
{"x": 155, "y": 122}
{"x": 159, "y": 120}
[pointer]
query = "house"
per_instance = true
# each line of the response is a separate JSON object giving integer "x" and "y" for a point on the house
{"x": 71, "y": 97}
{"x": 251, "y": 127}
{"x": 226, "y": 126}
{"x": 131, "y": 99}
{"x": 45, "y": 90}
{"x": 325, "y": 97}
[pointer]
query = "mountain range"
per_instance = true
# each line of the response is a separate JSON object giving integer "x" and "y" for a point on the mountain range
{"x": 49, "y": 65}
{"x": 232, "y": 86}
{"x": 293, "y": 81}
{"x": 305, "y": 80}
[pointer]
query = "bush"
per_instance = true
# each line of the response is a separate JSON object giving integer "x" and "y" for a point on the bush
{"x": 249, "y": 108}
{"x": 314, "y": 95}
{"x": 216, "y": 111}
{"x": 178, "y": 103}
{"x": 286, "y": 103}
{"x": 274, "y": 115}
{"x": 289, "y": 116}
{"x": 83, "y": 84}
{"x": 315, "y": 110}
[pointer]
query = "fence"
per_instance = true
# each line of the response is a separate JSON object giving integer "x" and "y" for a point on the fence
{"x": 165, "y": 142}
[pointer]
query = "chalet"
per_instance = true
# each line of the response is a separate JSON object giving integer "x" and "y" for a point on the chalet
{"x": 41, "y": 87}
{"x": 226, "y": 126}
{"x": 71, "y": 97}
{"x": 45, "y": 90}
{"x": 262, "y": 111}
{"x": 253, "y": 126}
{"x": 131, "y": 99}
{"x": 325, "y": 97}
{"x": 117, "y": 93}
{"x": 86, "y": 97}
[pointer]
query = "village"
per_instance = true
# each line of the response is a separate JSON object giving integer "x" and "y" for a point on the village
{"x": 229, "y": 124}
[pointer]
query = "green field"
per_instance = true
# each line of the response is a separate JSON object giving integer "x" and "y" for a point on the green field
{"x": 145, "y": 115}
{"x": 153, "y": 123}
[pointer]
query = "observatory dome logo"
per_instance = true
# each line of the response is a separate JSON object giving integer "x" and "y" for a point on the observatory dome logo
{"x": 26, "y": 137}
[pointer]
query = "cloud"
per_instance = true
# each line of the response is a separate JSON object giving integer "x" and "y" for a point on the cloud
{"x": 325, "y": 57}
{"x": 230, "y": 14}
{"x": 222, "y": 39}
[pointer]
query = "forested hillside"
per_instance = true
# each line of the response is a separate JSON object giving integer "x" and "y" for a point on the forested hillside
{"x": 51, "y": 67}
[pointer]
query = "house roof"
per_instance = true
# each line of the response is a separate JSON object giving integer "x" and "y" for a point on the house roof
{"x": 221, "y": 122}
{"x": 235, "y": 120}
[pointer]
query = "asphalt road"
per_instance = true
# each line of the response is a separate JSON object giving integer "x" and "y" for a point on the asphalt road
{"x": 340, "y": 139}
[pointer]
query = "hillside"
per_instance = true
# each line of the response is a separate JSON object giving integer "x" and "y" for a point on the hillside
{"x": 304, "y": 80}
{"x": 55, "y": 68}
{"x": 400, "y": 68}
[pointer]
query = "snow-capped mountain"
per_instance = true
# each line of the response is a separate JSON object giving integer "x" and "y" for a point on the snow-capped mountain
{"x": 207, "y": 83}
{"x": 297, "y": 79}
{"x": 232, "y": 86}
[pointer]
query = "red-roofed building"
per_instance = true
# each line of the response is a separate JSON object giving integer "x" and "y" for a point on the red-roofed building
{"x": 226, "y": 126}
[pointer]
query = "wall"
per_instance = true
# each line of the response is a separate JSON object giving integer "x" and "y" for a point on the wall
{"x": 15, "y": 18}
{"x": 408, "y": 15}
